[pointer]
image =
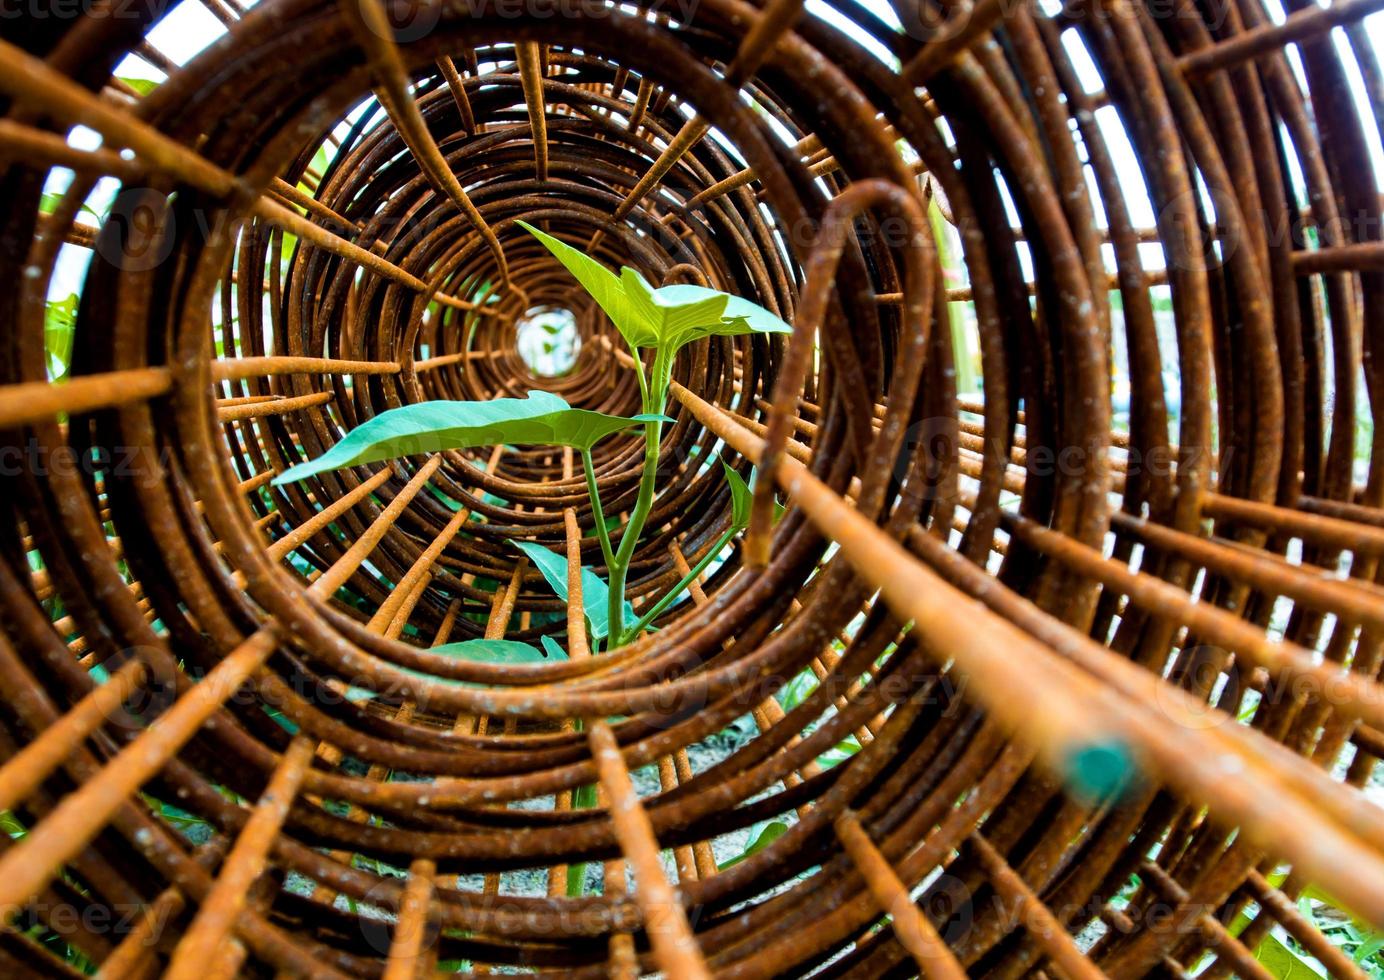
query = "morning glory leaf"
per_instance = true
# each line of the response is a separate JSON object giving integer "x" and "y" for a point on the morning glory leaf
{"x": 497, "y": 652}
{"x": 605, "y": 288}
{"x": 756, "y": 317}
{"x": 736, "y": 317}
{"x": 666, "y": 318}
{"x": 595, "y": 593}
{"x": 641, "y": 299}
{"x": 541, "y": 419}
{"x": 681, "y": 314}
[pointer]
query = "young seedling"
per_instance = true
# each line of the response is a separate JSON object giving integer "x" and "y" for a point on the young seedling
{"x": 662, "y": 321}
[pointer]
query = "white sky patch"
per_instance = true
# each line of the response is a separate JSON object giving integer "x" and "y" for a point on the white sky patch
{"x": 819, "y": 9}
{"x": 185, "y": 31}
{"x": 133, "y": 66}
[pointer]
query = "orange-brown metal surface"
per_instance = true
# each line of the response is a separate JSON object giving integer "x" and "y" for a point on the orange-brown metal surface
{"x": 1053, "y": 646}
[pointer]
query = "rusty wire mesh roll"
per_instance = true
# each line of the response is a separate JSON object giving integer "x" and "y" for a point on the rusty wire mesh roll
{"x": 227, "y": 748}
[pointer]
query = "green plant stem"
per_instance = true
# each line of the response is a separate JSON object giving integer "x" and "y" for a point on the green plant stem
{"x": 639, "y": 372}
{"x": 583, "y": 798}
{"x": 597, "y": 514}
{"x": 630, "y": 537}
{"x": 658, "y": 607}
{"x": 655, "y": 398}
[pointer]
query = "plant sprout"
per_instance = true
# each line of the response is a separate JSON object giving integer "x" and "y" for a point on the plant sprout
{"x": 662, "y": 321}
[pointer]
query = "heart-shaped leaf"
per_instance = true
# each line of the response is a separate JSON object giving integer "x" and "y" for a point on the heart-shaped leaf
{"x": 679, "y": 314}
{"x": 540, "y": 419}
{"x": 499, "y": 652}
{"x": 595, "y": 593}
{"x": 605, "y": 288}
{"x": 666, "y": 318}
{"x": 692, "y": 312}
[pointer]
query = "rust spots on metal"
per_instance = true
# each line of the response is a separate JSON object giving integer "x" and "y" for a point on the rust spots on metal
{"x": 1064, "y": 574}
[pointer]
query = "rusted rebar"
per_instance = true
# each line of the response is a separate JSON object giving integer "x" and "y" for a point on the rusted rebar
{"x": 1059, "y": 614}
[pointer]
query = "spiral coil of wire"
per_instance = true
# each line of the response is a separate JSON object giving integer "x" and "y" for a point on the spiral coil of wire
{"x": 1071, "y": 441}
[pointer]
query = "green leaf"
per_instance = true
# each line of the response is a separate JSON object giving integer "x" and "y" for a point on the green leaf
{"x": 741, "y": 497}
{"x": 10, "y": 824}
{"x": 1373, "y": 944}
{"x": 286, "y": 247}
{"x": 499, "y": 652}
{"x": 318, "y": 165}
{"x": 48, "y": 203}
{"x": 798, "y": 690}
{"x": 678, "y": 316}
{"x": 553, "y": 649}
{"x": 595, "y": 593}
{"x": 666, "y": 318}
{"x": 141, "y": 85}
{"x": 779, "y": 508}
{"x": 540, "y": 419}
{"x": 1371, "y": 941}
{"x": 771, "y": 832}
{"x": 839, "y": 753}
{"x": 756, "y": 318}
{"x": 738, "y": 316}
{"x": 59, "y": 328}
{"x": 1282, "y": 962}
{"x": 283, "y": 722}
{"x": 605, "y": 288}
{"x": 481, "y": 293}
